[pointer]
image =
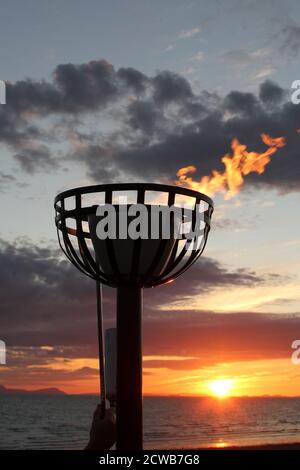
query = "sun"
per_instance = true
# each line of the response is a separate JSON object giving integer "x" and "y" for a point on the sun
{"x": 221, "y": 388}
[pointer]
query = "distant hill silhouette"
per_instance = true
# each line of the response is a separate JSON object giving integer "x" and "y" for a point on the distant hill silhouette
{"x": 20, "y": 391}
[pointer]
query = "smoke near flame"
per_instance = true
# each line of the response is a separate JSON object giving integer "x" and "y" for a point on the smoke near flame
{"x": 237, "y": 165}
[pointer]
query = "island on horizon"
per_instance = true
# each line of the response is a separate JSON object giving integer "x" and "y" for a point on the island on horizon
{"x": 20, "y": 391}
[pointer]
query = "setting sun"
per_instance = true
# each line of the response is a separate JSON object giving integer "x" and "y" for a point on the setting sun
{"x": 221, "y": 388}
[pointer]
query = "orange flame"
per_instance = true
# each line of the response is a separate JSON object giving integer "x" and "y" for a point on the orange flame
{"x": 237, "y": 165}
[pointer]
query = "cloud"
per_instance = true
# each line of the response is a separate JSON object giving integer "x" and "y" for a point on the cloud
{"x": 5, "y": 181}
{"x": 170, "y": 87}
{"x": 48, "y": 320}
{"x": 202, "y": 138}
{"x": 134, "y": 79}
{"x": 176, "y": 340}
{"x": 209, "y": 338}
{"x": 242, "y": 58}
{"x": 38, "y": 290}
{"x": 207, "y": 275}
{"x": 264, "y": 73}
{"x": 42, "y": 376}
{"x": 188, "y": 33}
{"x": 199, "y": 57}
{"x": 169, "y": 48}
{"x": 156, "y": 124}
{"x": 270, "y": 93}
{"x": 31, "y": 159}
{"x": 45, "y": 300}
{"x": 75, "y": 88}
{"x": 256, "y": 65}
{"x": 144, "y": 116}
{"x": 290, "y": 40}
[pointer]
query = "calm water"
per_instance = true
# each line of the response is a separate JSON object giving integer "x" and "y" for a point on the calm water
{"x": 62, "y": 422}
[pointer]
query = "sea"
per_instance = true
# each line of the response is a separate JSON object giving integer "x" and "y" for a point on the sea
{"x": 63, "y": 422}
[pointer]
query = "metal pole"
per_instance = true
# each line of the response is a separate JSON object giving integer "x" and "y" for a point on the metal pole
{"x": 101, "y": 347}
{"x": 129, "y": 369}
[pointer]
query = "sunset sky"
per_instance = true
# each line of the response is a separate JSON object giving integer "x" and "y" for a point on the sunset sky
{"x": 133, "y": 91}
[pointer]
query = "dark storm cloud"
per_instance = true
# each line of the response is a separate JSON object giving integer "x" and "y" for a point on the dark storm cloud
{"x": 86, "y": 86}
{"x": 133, "y": 79}
{"x": 197, "y": 130}
{"x": 241, "y": 103}
{"x": 31, "y": 159}
{"x": 270, "y": 93}
{"x": 74, "y": 88}
{"x": 98, "y": 156}
{"x": 158, "y": 124}
{"x": 15, "y": 130}
{"x": 31, "y": 96}
{"x": 44, "y": 300}
{"x": 144, "y": 116}
{"x": 161, "y": 159}
{"x": 203, "y": 277}
{"x": 202, "y": 142}
{"x": 170, "y": 87}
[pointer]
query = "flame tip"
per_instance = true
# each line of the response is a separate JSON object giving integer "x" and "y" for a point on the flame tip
{"x": 240, "y": 163}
